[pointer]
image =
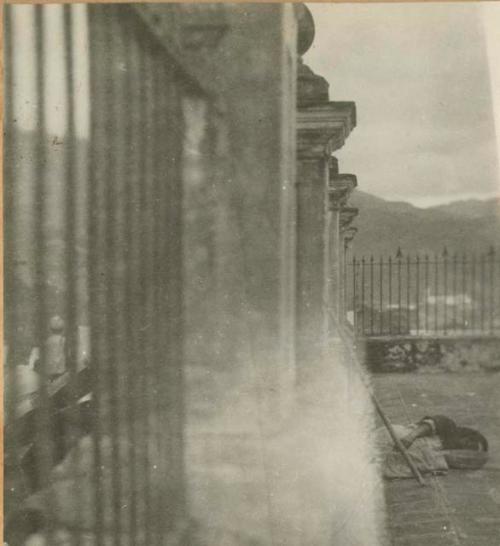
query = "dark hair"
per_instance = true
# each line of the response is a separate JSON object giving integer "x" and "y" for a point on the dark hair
{"x": 466, "y": 438}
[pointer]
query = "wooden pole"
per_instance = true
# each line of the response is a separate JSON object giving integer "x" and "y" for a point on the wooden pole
{"x": 397, "y": 442}
{"x": 415, "y": 471}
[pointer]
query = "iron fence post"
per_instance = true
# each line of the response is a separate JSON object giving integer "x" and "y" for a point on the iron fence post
{"x": 426, "y": 313}
{"x": 363, "y": 263}
{"x": 417, "y": 293}
{"x": 473, "y": 292}
{"x": 491, "y": 299}
{"x": 436, "y": 292}
{"x": 408, "y": 312}
{"x": 381, "y": 296}
{"x": 445, "y": 290}
{"x": 372, "y": 309}
{"x": 354, "y": 309}
{"x": 454, "y": 290}
{"x": 399, "y": 257}
{"x": 390, "y": 295}
{"x": 464, "y": 292}
{"x": 482, "y": 267}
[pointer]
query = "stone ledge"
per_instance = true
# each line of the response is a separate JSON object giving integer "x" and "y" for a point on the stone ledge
{"x": 324, "y": 128}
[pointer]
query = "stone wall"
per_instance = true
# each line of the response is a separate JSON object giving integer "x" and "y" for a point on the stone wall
{"x": 276, "y": 452}
{"x": 469, "y": 354}
{"x": 270, "y": 460}
{"x": 238, "y": 271}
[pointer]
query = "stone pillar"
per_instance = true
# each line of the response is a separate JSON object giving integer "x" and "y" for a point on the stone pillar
{"x": 341, "y": 185}
{"x": 347, "y": 232}
{"x": 334, "y": 238}
{"x": 322, "y": 129}
{"x": 347, "y": 236}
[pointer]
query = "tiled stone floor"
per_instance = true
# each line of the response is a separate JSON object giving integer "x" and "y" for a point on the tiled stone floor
{"x": 463, "y": 507}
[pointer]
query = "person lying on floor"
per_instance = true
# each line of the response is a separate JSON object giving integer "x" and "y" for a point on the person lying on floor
{"x": 435, "y": 444}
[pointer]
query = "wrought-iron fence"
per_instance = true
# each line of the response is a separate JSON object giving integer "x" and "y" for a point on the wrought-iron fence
{"x": 93, "y": 277}
{"x": 443, "y": 294}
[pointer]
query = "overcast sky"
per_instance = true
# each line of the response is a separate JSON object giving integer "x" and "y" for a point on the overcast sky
{"x": 425, "y": 95}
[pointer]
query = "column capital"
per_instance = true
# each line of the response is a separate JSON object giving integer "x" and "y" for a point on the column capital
{"x": 349, "y": 235}
{"x": 347, "y": 215}
{"x": 322, "y": 129}
{"x": 340, "y": 187}
{"x": 333, "y": 166}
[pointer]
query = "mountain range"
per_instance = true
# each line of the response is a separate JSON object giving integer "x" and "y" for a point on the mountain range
{"x": 460, "y": 226}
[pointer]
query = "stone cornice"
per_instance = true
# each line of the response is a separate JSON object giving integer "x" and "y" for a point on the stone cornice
{"x": 341, "y": 186}
{"x": 347, "y": 215}
{"x": 322, "y": 129}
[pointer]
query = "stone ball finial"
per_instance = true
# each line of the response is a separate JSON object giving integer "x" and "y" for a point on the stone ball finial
{"x": 306, "y": 30}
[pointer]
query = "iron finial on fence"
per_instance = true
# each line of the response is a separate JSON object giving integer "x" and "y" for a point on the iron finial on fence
{"x": 399, "y": 254}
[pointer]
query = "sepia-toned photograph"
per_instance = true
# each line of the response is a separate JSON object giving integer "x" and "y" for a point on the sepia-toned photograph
{"x": 251, "y": 274}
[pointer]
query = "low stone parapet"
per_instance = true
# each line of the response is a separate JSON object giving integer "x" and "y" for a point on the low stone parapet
{"x": 428, "y": 354}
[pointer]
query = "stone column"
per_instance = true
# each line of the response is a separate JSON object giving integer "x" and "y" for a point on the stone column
{"x": 347, "y": 236}
{"x": 322, "y": 129}
{"x": 341, "y": 185}
{"x": 347, "y": 233}
{"x": 334, "y": 238}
